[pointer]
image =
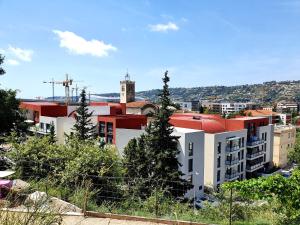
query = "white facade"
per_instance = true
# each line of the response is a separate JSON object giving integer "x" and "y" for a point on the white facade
{"x": 227, "y": 108}
{"x": 62, "y": 126}
{"x": 191, "y": 146}
{"x": 185, "y": 106}
{"x": 287, "y": 107}
{"x": 225, "y": 157}
{"x": 95, "y": 110}
{"x": 283, "y": 117}
{"x": 123, "y": 136}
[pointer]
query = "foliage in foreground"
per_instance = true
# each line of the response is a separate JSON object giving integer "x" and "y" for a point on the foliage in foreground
{"x": 285, "y": 192}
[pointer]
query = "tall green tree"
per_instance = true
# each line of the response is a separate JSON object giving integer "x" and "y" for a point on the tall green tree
{"x": 162, "y": 147}
{"x": 153, "y": 157}
{"x": 11, "y": 117}
{"x": 84, "y": 128}
{"x": 2, "y": 71}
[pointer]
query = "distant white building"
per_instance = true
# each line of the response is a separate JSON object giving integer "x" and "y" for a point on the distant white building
{"x": 228, "y": 108}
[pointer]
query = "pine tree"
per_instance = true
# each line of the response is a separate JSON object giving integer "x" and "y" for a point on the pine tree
{"x": 84, "y": 128}
{"x": 152, "y": 159}
{"x": 162, "y": 147}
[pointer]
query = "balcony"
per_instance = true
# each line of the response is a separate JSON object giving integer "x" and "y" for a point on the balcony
{"x": 232, "y": 162}
{"x": 252, "y": 168}
{"x": 231, "y": 176}
{"x": 255, "y": 155}
{"x": 37, "y": 129}
{"x": 232, "y": 149}
{"x": 255, "y": 143}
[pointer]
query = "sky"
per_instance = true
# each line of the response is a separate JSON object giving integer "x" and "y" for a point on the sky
{"x": 201, "y": 43}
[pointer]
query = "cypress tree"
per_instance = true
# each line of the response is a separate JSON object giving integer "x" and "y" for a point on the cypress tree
{"x": 84, "y": 128}
{"x": 162, "y": 147}
{"x": 151, "y": 160}
{"x": 52, "y": 138}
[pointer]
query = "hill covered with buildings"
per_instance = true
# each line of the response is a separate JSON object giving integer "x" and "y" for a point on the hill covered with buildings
{"x": 271, "y": 91}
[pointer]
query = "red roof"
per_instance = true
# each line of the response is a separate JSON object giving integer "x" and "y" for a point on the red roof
{"x": 213, "y": 123}
{"x": 138, "y": 104}
{"x": 209, "y": 125}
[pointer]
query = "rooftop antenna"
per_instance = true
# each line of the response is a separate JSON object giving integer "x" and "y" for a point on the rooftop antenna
{"x": 127, "y": 76}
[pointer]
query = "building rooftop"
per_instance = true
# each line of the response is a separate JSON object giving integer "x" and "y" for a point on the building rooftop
{"x": 260, "y": 112}
{"x": 280, "y": 128}
{"x": 137, "y": 104}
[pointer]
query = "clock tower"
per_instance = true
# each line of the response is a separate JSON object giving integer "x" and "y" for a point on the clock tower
{"x": 127, "y": 92}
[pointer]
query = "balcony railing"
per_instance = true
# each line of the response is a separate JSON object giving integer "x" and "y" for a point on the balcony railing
{"x": 254, "y": 155}
{"x": 254, "y": 167}
{"x": 232, "y": 149}
{"x": 254, "y": 143}
{"x": 231, "y": 176}
{"x": 232, "y": 162}
{"x": 37, "y": 129}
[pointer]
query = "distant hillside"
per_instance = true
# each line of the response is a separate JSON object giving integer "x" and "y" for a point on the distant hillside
{"x": 267, "y": 92}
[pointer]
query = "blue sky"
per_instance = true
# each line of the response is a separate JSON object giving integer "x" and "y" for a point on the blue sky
{"x": 200, "y": 42}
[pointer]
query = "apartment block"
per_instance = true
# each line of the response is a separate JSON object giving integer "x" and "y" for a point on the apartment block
{"x": 284, "y": 140}
{"x": 287, "y": 107}
{"x": 229, "y": 108}
{"x": 234, "y": 148}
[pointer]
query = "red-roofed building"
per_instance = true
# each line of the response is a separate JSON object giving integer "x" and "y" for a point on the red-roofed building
{"x": 234, "y": 148}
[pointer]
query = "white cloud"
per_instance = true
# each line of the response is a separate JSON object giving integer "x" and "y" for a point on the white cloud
{"x": 79, "y": 46}
{"x": 22, "y": 54}
{"x": 12, "y": 62}
{"x": 2, "y": 51}
{"x": 164, "y": 27}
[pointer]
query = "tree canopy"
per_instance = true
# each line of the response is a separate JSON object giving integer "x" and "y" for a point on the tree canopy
{"x": 153, "y": 156}
{"x": 84, "y": 128}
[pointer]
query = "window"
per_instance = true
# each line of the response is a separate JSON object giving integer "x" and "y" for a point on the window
{"x": 200, "y": 187}
{"x": 218, "y": 175}
{"x": 243, "y": 141}
{"x": 219, "y": 147}
{"x": 191, "y": 149}
{"x": 219, "y": 162}
{"x": 102, "y": 128}
{"x": 190, "y": 178}
{"x": 242, "y": 153}
{"x": 289, "y": 135}
{"x": 265, "y": 136}
{"x": 190, "y": 165}
{"x": 264, "y": 157}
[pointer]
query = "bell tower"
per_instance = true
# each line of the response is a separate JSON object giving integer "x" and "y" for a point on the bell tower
{"x": 127, "y": 92}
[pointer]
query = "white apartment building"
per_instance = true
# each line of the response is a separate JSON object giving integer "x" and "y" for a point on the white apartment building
{"x": 191, "y": 156}
{"x": 225, "y": 157}
{"x": 284, "y": 107}
{"x": 228, "y": 108}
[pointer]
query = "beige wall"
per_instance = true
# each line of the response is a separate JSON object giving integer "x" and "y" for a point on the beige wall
{"x": 284, "y": 139}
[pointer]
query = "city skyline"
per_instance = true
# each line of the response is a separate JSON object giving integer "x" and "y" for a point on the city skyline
{"x": 200, "y": 43}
